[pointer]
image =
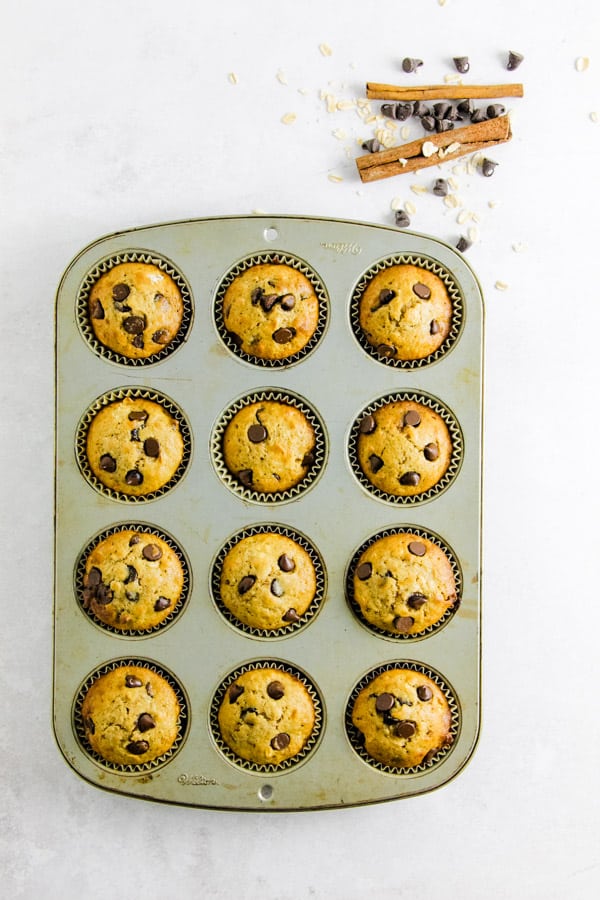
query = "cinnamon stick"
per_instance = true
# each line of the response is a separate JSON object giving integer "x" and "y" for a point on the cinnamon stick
{"x": 377, "y": 91}
{"x": 433, "y": 149}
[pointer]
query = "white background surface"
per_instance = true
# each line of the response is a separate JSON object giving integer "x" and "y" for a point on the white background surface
{"x": 122, "y": 114}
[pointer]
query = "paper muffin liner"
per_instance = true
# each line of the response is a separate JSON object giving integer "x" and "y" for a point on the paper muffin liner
{"x": 456, "y": 438}
{"x": 149, "y": 530}
{"x": 140, "y": 393}
{"x": 270, "y": 768}
{"x": 272, "y": 257}
{"x": 420, "y": 532}
{"x": 454, "y": 292}
{"x": 356, "y": 738}
{"x": 140, "y": 768}
{"x": 261, "y": 396}
{"x": 320, "y": 573}
{"x": 104, "y": 266}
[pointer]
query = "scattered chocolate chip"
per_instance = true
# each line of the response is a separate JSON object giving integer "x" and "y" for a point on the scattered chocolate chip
{"x": 403, "y": 624}
{"x": 372, "y": 146}
{"x": 134, "y": 478}
{"x": 256, "y": 295}
{"x": 161, "y": 604}
{"x": 514, "y": 60}
{"x": 367, "y": 424}
{"x": 465, "y": 108}
{"x": 103, "y": 595}
{"x": 145, "y": 722}
{"x": 421, "y": 109}
{"x": 131, "y": 575}
{"x": 161, "y": 336}
{"x": 434, "y": 327}
{"x": 416, "y": 600}
{"x": 462, "y": 64}
{"x": 134, "y": 539}
{"x": 134, "y": 324}
{"x": 247, "y": 582}
{"x": 97, "y": 310}
{"x": 385, "y": 350}
{"x": 388, "y": 110}
{"x": 478, "y": 115}
{"x": 494, "y": 110}
{"x": 410, "y": 479}
{"x": 235, "y": 691}
{"x": 385, "y": 296}
{"x": 131, "y": 681}
{"x": 151, "y": 447}
{"x": 431, "y": 451}
{"x": 93, "y": 577}
{"x": 412, "y": 418}
{"x": 286, "y": 563}
{"x": 375, "y": 462}
{"x": 246, "y": 477}
{"x": 135, "y": 434}
{"x": 463, "y": 244}
{"x": 275, "y": 690}
{"x": 268, "y": 301}
{"x": 411, "y": 65}
{"x": 440, "y": 187}
{"x": 364, "y": 571}
{"x": 280, "y": 741}
{"x": 384, "y": 702}
{"x": 276, "y": 588}
{"x": 403, "y": 111}
{"x": 138, "y": 341}
{"x": 417, "y": 548}
{"x": 401, "y": 219}
{"x": 138, "y": 748}
{"x": 149, "y": 690}
{"x": 108, "y": 463}
{"x": 405, "y": 728}
{"x": 137, "y": 415}
{"x": 120, "y": 292}
{"x": 444, "y": 125}
{"x": 284, "y": 335}
{"x": 487, "y": 167}
{"x": 441, "y": 110}
{"x": 291, "y": 615}
{"x": 287, "y": 302}
{"x": 308, "y": 460}
{"x": 152, "y": 552}
{"x": 428, "y": 123}
{"x": 257, "y": 433}
{"x": 424, "y": 692}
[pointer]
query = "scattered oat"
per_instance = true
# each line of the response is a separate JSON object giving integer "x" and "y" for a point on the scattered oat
{"x": 345, "y": 104}
{"x": 259, "y": 212}
{"x": 519, "y": 247}
{"x": 410, "y": 208}
{"x": 396, "y": 203}
{"x": 595, "y": 117}
{"x": 402, "y": 161}
{"x": 441, "y": 2}
{"x": 452, "y": 79}
{"x": 428, "y": 148}
{"x": 340, "y": 134}
{"x": 473, "y": 234}
{"x": 325, "y": 49}
{"x": 493, "y": 203}
{"x": 303, "y": 91}
{"x": 405, "y": 132}
{"x": 335, "y": 178}
{"x": 501, "y": 286}
{"x": 462, "y": 216}
{"x": 582, "y": 63}
{"x": 453, "y": 183}
{"x": 281, "y": 77}
{"x": 452, "y": 201}
{"x": 233, "y": 78}
{"x": 288, "y": 118}
{"x": 459, "y": 169}
{"x": 418, "y": 189}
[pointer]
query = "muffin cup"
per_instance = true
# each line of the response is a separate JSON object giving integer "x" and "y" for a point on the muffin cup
{"x": 320, "y": 450}
{"x": 292, "y": 627}
{"x": 271, "y": 768}
{"x": 135, "y": 393}
{"x": 454, "y": 292}
{"x": 104, "y": 266}
{"x": 356, "y": 737}
{"x": 455, "y": 459}
{"x": 150, "y": 530}
{"x": 381, "y": 632}
{"x": 275, "y": 258}
{"x": 142, "y": 768}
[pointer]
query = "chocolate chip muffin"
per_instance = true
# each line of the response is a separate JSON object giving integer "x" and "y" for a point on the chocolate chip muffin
{"x": 135, "y": 309}
{"x": 267, "y": 716}
{"x": 271, "y": 311}
{"x": 134, "y": 446}
{"x": 269, "y": 446}
{"x": 130, "y": 715}
{"x": 404, "y": 448}
{"x": 267, "y": 581}
{"x": 404, "y": 717}
{"x": 403, "y": 583}
{"x": 405, "y": 312}
{"x": 132, "y": 581}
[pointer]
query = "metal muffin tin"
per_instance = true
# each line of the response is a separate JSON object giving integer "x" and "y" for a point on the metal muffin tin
{"x": 204, "y": 377}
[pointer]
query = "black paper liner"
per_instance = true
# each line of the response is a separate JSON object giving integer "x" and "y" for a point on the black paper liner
{"x": 278, "y": 258}
{"x": 137, "y": 393}
{"x": 268, "y": 768}
{"x": 356, "y": 737}
{"x": 320, "y": 573}
{"x": 104, "y": 266}
{"x": 455, "y": 458}
{"x": 421, "y": 532}
{"x": 141, "y": 768}
{"x": 149, "y": 530}
{"x": 454, "y": 292}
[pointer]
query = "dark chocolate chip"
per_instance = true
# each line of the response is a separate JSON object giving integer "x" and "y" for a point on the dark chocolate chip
{"x": 149, "y": 690}
{"x": 138, "y": 415}
{"x": 280, "y": 741}
{"x": 104, "y": 595}
{"x": 134, "y": 324}
{"x": 416, "y": 600}
{"x": 134, "y": 478}
{"x": 372, "y": 146}
{"x": 131, "y": 681}
{"x": 412, "y": 418}
{"x": 462, "y": 64}
{"x": 235, "y": 338}
{"x": 385, "y": 350}
{"x": 385, "y": 296}
{"x": 138, "y": 748}
{"x": 108, "y": 463}
{"x": 514, "y": 60}
{"x": 434, "y": 327}
{"x": 364, "y": 571}
{"x": 120, "y": 292}
{"x": 268, "y": 301}
{"x": 131, "y": 575}
{"x": 478, "y": 115}
{"x": 384, "y": 702}
{"x": 431, "y": 451}
{"x": 257, "y": 433}
{"x": 440, "y": 187}
{"x": 246, "y": 477}
{"x": 135, "y": 434}
{"x": 145, "y": 722}
{"x": 134, "y": 539}
{"x": 410, "y": 479}
{"x": 420, "y": 109}
{"x": 138, "y": 341}
{"x": 428, "y": 123}
{"x": 405, "y": 728}
{"x": 284, "y": 335}
{"x": 161, "y": 604}
{"x": 403, "y": 624}
{"x": 494, "y": 110}
{"x": 367, "y": 424}
{"x": 403, "y": 111}
{"x": 93, "y": 577}
{"x": 152, "y": 552}
{"x": 401, "y": 219}
{"x": 463, "y": 244}
{"x": 291, "y": 615}
{"x": 465, "y": 108}
{"x": 287, "y": 302}
{"x": 235, "y": 691}
{"x": 444, "y": 125}
{"x": 97, "y": 310}
{"x": 161, "y": 336}
{"x": 388, "y": 110}
{"x": 424, "y": 692}
{"x": 275, "y": 690}
{"x": 151, "y": 447}
{"x": 308, "y": 460}
{"x": 256, "y": 295}
{"x": 411, "y": 65}
{"x": 375, "y": 462}
{"x": 286, "y": 563}
{"x": 417, "y": 548}
{"x": 441, "y": 110}
{"x": 247, "y": 582}
{"x": 276, "y": 588}
{"x": 487, "y": 167}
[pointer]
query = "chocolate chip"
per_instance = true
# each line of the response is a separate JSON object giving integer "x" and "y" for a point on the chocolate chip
{"x": 364, "y": 571}
{"x": 257, "y": 433}
{"x": 286, "y": 563}
{"x": 403, "y": 624}
{"x": 431, "y": 451}
{"x": 161, "y": 604}
{"x": 108, "y": 463}
{"x": 412, "y": 418}
{"x": 138, "y": 341}
{"x": 375, "y": 462}
{"x": 401, "y": 219}
{"x": 463, "y": 244}
{"x": 134, "y": 539}
{"x": 93, "y": 577}
{"x": 308, "y": 460}
{"x": 131, "y": 575}
{"x": 385, "y": 350}
{"x": 135, "y": 434}
{"x": 268, "y": 301}
{"x": 275, "y": 690}
{"x": 410, "y": 479}
{"x": 405, "y": 728}
{"x": 138, "y": 748}
{"x": 514, "y": 60}
{"x": 440, "y": 187}
{"x": 280, "y": 741}
{"x": 424, "y": 692}
{"x": 411, "y": 65}
{"x": 256, "y": 295}
{"x": 434, "y": 327}
{"x": 151, "y": 447}
{"x": 478, "y": 115}
{"x": 131, "y": 681}
{"x": 132, "y": 596}
{"x": 104, "y": 595}
{"x": 246, "y": 477}
{"x": 235, "y": 338}
{"x": 276, "y": 588}
{"x": 152, "y": 552}
{"x": 372, "y": 146}
{"x": 145, "y": 722}
{"x": 388, "y": 110}
{"x": 134, "y": 478}
{"x": 420, "y": 109}
{"x": 284, "y": 335}
{"x": 161, "y": 336}
{"x": 367, "y": 424}
{"x": 158, "y": 296}
{"x": 487, "y": 167}
{"x": 235, "y": 691}
{"x": 465, "y": 108}
{"x": 494, "y": 110}
{"x": 441, "y": 110}
{"x": 462, "y": 64}
{"x": 416, "y": 600}
{"x": 384, "y": 702}
{"x": 291, "y": 615}
{"x": 428, "y": 123}
{"x": 149, "y": 690}
{"x": 287, "y": 302}
{"x": 443, "y": 125}
{"x": 403, "y": 111}
{"x": 137, "y": 415}
{"x": 385, "y": 296}
{"x": 134, "y": 324}
{"x": 247, "y": 582}
{"x": 417, "y": 548}
{"x": 97, "y": 310}
{"x": 120, "y": 292}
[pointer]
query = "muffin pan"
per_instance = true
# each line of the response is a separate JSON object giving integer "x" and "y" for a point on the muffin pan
{"x": 202, "y": 380}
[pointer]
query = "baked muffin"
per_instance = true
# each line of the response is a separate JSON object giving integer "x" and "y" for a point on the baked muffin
{"x": 130, "y": 715}
{"x": 132, "y": 580}
{"x": 267, "y": 581}
{"x": 404, "y": 448}
{"x": 135, "y": 309}
{"x": 404, "y": 718}
{"x": 134, "y": 446}
{"x": 271, "y": 311}
{"x": 269, "y": 446}
{"x": 405, "y": 312}
{"x": 403, "y": 583}
{"x": 266, "y": 716}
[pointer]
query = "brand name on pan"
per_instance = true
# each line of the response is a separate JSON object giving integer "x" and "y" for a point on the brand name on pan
{"x": 342, "y": 247}
{"x": 196, "y": 780}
